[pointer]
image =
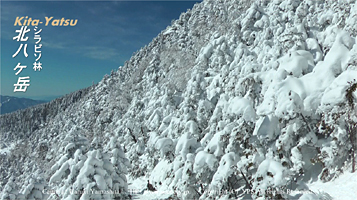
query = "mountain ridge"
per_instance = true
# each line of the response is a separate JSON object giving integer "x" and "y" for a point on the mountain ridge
{"x": 11, "y": 104}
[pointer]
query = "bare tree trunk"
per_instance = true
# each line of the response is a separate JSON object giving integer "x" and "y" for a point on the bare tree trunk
{"x": 352, "y": 126}
{"x": 353, "y": 142}
{"x": 132, "y": 135}
{"x": 352, "y": 131}
{"x": 353, "y": 161}
{"x": 246, "y": 180}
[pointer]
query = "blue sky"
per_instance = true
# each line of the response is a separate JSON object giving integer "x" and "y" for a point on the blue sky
{"x": 106, "y": 35}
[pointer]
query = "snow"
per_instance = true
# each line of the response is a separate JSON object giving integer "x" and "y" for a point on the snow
{"x": 154, "y": 119}
{"x": 343, "y": 187}
{"x": 299, "y": 92}
{"x": 206, "y": 52}
{"x": 241, "y": 107}
{"x": 202, "y": 159}
{"x": 296, "y": 159}
{"x": 314, "y": 48}
{"x": 161, "y": 175}
{"x": 7, "y": 149}
{"x": 335, "y": 93}
{"x": 168, "y": 31}
{"x": 164, "y": 145}
{"x": 266, "y": 127}
{"x": 215, "y": 145}
{"x": 69, "y": 146}
{"x": 100, "y": 182}
{"x": 137, "y": 189}
{"x": 272, "y": 174}
{"x": 185, "y": 145}
{"x": 297, "y": 62}
{"x": 225, "y": 168}
{"x": 59, "y": 174}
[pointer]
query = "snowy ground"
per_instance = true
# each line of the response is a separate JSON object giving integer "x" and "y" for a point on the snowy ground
{"x": 344, "y": 187}
{"x": 137, "y": 188}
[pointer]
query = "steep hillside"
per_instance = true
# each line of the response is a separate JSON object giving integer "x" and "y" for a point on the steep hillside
{"x": 236, "y": 99}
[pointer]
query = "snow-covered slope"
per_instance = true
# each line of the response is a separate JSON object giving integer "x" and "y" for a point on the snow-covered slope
{"x": 236, "y": 99}
{"x": 343, "y": 187}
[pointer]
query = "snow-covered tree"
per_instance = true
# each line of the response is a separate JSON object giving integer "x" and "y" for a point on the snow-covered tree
{"x": 10, "y": 190}
{"x": 34, "y": 189}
